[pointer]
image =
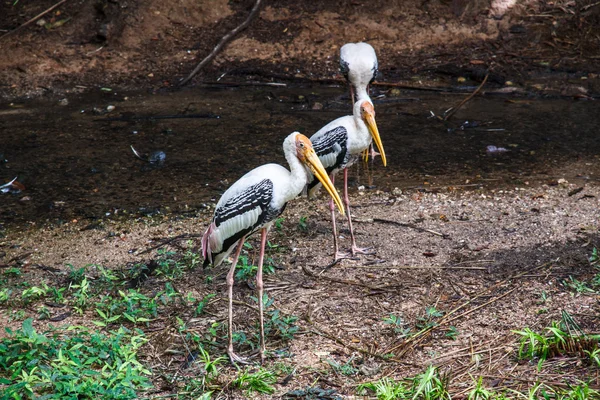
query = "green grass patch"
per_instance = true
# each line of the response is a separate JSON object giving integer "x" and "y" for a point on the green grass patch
{"x": 72, "y": 363}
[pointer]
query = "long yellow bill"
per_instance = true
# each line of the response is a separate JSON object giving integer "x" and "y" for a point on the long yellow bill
{"x": 372, "y": 126}
{"x": 317, "y": 169}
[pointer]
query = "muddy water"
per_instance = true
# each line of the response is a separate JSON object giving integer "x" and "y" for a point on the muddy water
{"x": 75, "y": 159}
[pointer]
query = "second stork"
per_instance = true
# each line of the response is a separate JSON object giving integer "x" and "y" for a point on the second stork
{"x": 339, "y": 145}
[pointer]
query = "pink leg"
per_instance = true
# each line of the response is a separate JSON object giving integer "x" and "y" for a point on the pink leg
{"x": 232, "y": 356}
{"x": 352, "y": 94}
{"x": 355, "y": 249}
{"x": 260, "y": 287}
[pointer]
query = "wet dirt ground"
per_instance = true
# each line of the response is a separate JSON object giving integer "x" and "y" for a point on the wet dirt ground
{"x": 496, "y": 233}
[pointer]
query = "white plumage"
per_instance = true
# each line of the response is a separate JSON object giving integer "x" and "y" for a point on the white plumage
{"x": 358, "y": 63}
{"x": 338, "y": 145}
{"x": 252, "y": 203}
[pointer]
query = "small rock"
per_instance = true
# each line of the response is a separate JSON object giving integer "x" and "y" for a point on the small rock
{"x": 110, "y": 108}
{"x": 317, "y": 106}
{"x": 63, "y": 102}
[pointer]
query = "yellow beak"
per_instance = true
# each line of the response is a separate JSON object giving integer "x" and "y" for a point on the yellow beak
{"x": 317, "y": 169}
{"x": 372, "y": 126}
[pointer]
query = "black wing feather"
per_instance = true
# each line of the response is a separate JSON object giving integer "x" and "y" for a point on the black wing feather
{"x": 257, "y": 195}
{"x": 344, "y": 68}
{"x": 334, "y": 142}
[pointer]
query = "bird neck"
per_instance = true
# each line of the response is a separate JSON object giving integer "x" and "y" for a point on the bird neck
{"x": 298, "y": 176}
{"x": 361, "y": 93}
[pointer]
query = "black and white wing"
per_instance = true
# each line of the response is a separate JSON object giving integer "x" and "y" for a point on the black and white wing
{"x": 375, "y": 70}
{"x": 332, "y": 149}
{"x": 344, "y": 67}
{"x": 237, "y": 217}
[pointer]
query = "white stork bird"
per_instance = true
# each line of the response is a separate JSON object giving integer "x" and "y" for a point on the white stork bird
{"x": 358, "y": 63}
{"x": 253, "y": 203}
{"x": 339, "y": 145}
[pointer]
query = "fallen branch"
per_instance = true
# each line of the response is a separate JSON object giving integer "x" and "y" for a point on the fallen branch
{"x": 462, "y": 103}
{"x": 40, "y": 15}
{"x": 222, "y": 43}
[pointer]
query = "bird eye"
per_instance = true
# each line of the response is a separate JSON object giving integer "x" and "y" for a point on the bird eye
{"x": 301, "y": 144}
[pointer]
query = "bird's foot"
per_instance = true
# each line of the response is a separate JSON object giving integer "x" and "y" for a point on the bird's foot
{"x": 370, "y": 152}
{"x": 362, "y": 250}
{"x": 374, "y": 153}
{"x": 235, "y": 359}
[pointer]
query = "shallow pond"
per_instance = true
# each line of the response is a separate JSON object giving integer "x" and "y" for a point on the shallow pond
{"x": 75, "y": 161}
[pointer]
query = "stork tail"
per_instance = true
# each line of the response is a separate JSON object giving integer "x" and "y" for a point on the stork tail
{"x": 206, "y": 244}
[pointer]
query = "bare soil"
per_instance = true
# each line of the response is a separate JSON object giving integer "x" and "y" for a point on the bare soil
{"x": 155, "y": 44}
{"x": 489, "y": 241}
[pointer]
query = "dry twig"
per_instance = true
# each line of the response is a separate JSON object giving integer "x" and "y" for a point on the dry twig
{"x": 222, "y": 43}
{"x": 40, "y": 15}
{"x": 462, "y": 103}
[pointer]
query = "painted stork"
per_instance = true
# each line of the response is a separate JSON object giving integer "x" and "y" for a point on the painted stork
{"x": 252, "y": 204}
{"x": 339, "y": 145}
{"x": 358, "y": 63}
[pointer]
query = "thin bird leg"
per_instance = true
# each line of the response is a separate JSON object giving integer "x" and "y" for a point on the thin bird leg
{"x": 234, "y": 358}
{"x": 260, "y": 287}
{"x": 355, "y": 249}
{"x": 336, "y": 254}
{"x": 352, "y": 94}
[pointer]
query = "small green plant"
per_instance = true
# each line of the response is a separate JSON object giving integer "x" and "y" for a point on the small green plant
{"x": 202, "y": 304}
{"x": 76, "y": 275}
{"x": 284, "y": 325}
{"x": 131, "y": 306}
{"x": 430, "y": 385}
{"x": 34, "y": 293}
{"x": 279, "y": 224}
{"x": 594, "y": 356}
{"x": 168, "y": 264}
{"x": 43, "y": 313}
{"x": 479, "y": 392}
{"x": 302, "y": 225}
{"x": 560, "y": 338}
{"x": 57, "y": 294}
{"x": 452, "y": 333}
{"x": 429, "y": 319}
{"x": 385, "y": 389}
{"x": 261, "y": 381}
{"x": 80, "y": 295}
{"x": 595, "y": 257}
{"x": 191, "y": 259}
{"x": 246, "y": 271}
{"x": 347, "y": 368}
{"x": 12, "y": 272}
{"x": 397, "y": 324}
{"x": 18, "y": 315}
{"x": 578, "y": 286}
{"x": 5, "y": 295}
